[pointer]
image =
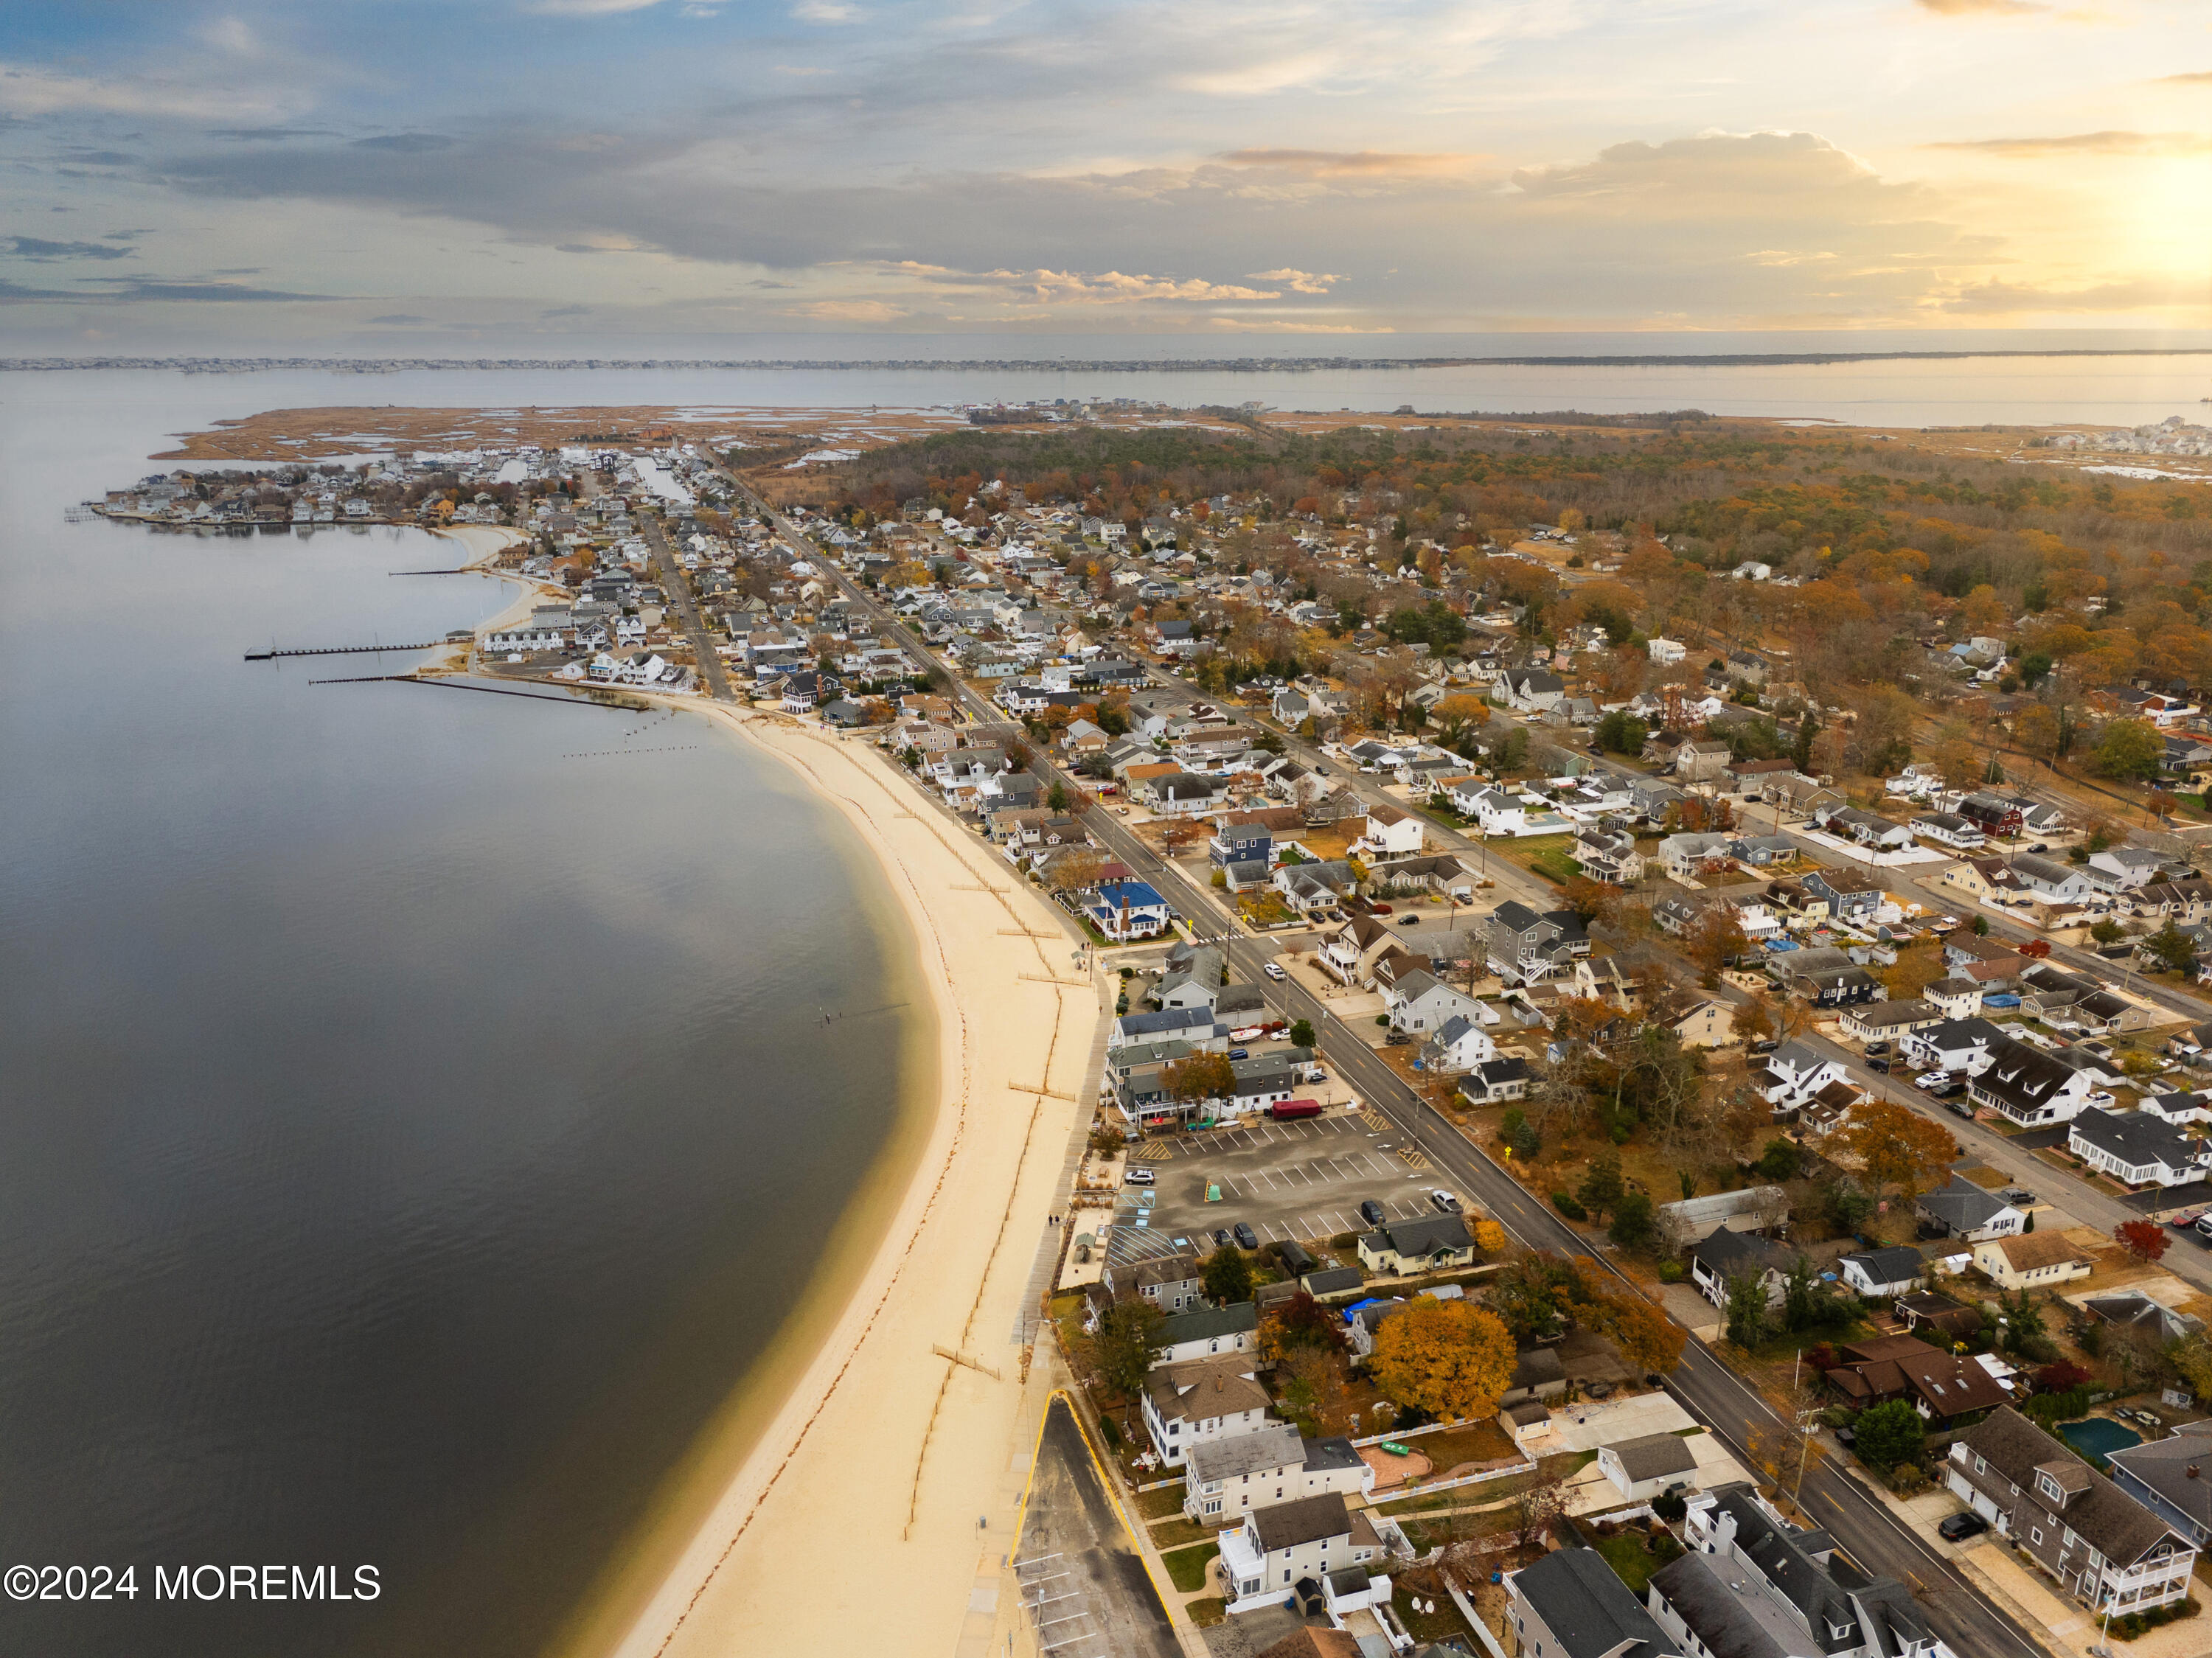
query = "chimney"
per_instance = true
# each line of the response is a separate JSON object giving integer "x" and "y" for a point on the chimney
{"x": 2192, "y": 1471}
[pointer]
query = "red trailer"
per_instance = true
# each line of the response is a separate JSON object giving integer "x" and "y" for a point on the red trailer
{"x": 1284, "y": 1110}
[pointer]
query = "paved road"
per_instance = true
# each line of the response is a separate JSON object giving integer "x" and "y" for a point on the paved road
{"x": 677, "y": 587}
{"x": 1082, "y": 1583}
{"x": 1716, "y": 1395}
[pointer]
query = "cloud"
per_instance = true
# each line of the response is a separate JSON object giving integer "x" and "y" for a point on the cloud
{"x": 2194, "y": 78}
{"x": 825, "y": 11}
{"x": 1979, "y": 8}
{"x": 1780, "y": 258}
{"x": 847, "y": 311}
{"x": 405, "y": 144}
{"x": 269, "y": 134}
{"x": 400, "y": 320}
{"x": 1997, "y": 298}
{"x": 1299, "y": 282}
{"x": 2089, "y": 143}
{"x": 36, "y": 247}
{"x": 567, "y": 311}
{"x": 1331, "y": 163}
{"x": 1078, "y": 287}
{"x": 124, "y": 290}
{"x": 27, "y": 91}
{"x": 586, "y": 8}
{"x": 1270, "y": 325}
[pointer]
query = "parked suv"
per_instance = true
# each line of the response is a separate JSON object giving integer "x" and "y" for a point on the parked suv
{"x": 1139, "y": 1176}
{"x": 1371, "y": 1212}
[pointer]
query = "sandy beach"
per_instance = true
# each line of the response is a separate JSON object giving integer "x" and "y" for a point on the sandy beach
{"x": 852, "y": 1475}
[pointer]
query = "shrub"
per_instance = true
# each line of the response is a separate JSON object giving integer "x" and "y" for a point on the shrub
{"x": 1909, "y": 1478}
{"x": 1383, "y": 1018}
{"x": 1566, "y": 1204}
{"x": 1107, "y": 1426}
{"x": 1670, "y": 1271}
{"x": 1670, "y": 1508}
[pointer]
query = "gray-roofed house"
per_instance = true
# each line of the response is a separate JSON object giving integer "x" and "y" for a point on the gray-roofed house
{"x": 1962, "y": 1210}
{"x": 1428, "y": 1243}
{"x": 1642, "y": 1469}
{"x": 1207, "y": 1332}
{"x": 1495, "y": 1080}
{"x": 2167, "y": 1476}
{"x": 2137, "y": 1148}
{"x": 1571, "y": 1605}
{"x": 1753, "y": 1587}
{"x": 1882, "y": 1274}
{"x": 1725, "y": 1255}
{"x": 1538, "y": 1372}
{"x": 1170, "y": 1282}
{"x": 2102, "y": 1544}
{"x": 1525, "y": 947}
{"x": 1223, "y": 1478}
{"x": 1333, "y": 1281}
{"x": 1688, "y": 1220}
{"x": 1285, "y": 1542}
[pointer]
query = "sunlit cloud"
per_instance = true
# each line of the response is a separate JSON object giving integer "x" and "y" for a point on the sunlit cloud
{"x": 2087, "y": 144}
{"x": 1298, "y": 281}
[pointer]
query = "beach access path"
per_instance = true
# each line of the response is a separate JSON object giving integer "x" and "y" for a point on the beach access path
{"x": 861, "y": 1517}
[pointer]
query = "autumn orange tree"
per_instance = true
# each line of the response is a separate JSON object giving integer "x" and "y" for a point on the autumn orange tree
{"x": 1897, "y": 1147}
{"x": 1450, "y": 1358}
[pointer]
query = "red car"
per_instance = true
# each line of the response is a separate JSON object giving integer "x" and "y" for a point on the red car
{"x": 1378, "y": 909}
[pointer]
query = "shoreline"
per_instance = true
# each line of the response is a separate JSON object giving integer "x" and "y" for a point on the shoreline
{"x": 851, "y": 1427}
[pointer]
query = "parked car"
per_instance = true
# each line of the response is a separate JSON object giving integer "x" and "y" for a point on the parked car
{"x": 2039, "y": 846}
{"x": 1409, "y": 920}
{"x": 1139, "y": 1176}
{"x": 1878, "y": 1064}
{"x": 1959, "y": 1527}
{"x": 1220, "y": 1237}
{"x": 1246, "y": 1237}
{"x": 1961, "y": 1107}
{"x": 1445, "y": 1201}
{"x": 2103, "y": 1099}
{"x": 1378, "y": 908}
{"x": 1371, "y": 1212}
{"x": 1943, "y": 924}
{"x": 2017, "y": 1195}
{"x": 1240, "y": 1053}
{"x": 1931, "y": 1080}
{"x": 1767, "y": 1047}
{"x": 1877, "y": 1047}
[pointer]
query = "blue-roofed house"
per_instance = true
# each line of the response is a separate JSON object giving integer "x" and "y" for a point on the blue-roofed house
{"x": 1123, "y": 910}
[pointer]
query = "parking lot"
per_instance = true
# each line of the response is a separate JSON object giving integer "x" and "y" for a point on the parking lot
{"x": 1302, "y": 1180}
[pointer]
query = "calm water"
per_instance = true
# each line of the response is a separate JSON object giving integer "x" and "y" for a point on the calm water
{"x": 411, "y": 1123}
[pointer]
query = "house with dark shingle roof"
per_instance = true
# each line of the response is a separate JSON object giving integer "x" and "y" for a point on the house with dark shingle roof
{"x": 1963, "y": 1209}
{"x": 1941, "y": 1386}
{"x": 1426, "y": 1244}
{"x": 2101, "y": 1545}
{"x": 1571, "y": 1605}
{"x": 1647, "y": 1467}
{"x": 2167, "y": 1477}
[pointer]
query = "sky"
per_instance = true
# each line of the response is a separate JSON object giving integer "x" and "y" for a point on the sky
{"x": 437, "y": 176}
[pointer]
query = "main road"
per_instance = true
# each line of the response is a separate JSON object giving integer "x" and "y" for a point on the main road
{"x": 1727, "y": 1404}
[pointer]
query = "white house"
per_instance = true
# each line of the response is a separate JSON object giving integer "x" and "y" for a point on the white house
{"x": 1666, "y": 651}
{"x": 1225, "y": 1480}
{"x": 1210, "y": 1399}
{"x": 1392, "y": 832}
{"x": 2051, "y": 882}
{"x": 1123, "y": 910}
{"x": 1460, "y": 1044}
{"x": 2137, "y": 1148}
{"x": 2122, "y": 869}
{"x": 1495, "y": 813}
{"x": 2035, "y": 1261}
{"x": 1421, "y": 1002}
{"x": 1876, "y": 1274}
{"x": 1285, "y": 1542}
{"x": 1647, "y": 1466}
{"x": 1794, "y": 1073}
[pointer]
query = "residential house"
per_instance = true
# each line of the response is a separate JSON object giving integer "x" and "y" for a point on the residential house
{"x": 1241, "y": 837}
{"x": 1697, "y": 1021}
{"x": 1392, "y": 832}
{"x": 1283, "y": 1544}
{"x": 1753, "y": 1586}
{"x": 1496, "y": 1082}
{"x": 1937, "y": 1313}
{"x": 1753, "y": 1208}
{"x": 2167, "y": 1477}
{"x": 1226, "y": 1479}
{"x": 2103, "y": 1547}
{"x": 1686, "y": 856}
{"x": 1172, "y": 1283}
{"x": 1608, "y": 855}
{"x": 1531, "y": 691}
{"x": 1125, "y": 910}
{"x": 2027, "y": 1086}
{"x": 2178, "y": 1107}
{"x": 1867, "y": 829}
{"x": 1314, "y": 886}
{"x": 1869, "y": 1021}
{"x": 1208, "y": 1398}
{"x": 1984, "y": 880}
{"x": 1850, "y": 896}
{"x": 1723, "y": 1256}
{"x": 2122, "y": 869}
{"x": 1961, "y": 1046}
{"x": 1651, "y": 1466}
{"x": 1525, "y": 947}
{"x": 1947, "y": 828}
{"x": 1882, "y": 1274}
{"x": 1571, "y": 1604}
{"x": 1793, "y": 1073}
{"x": 1941, "y": 1386}
{"x": 1428, "y": 1243}
{"x": 2051, "y": 882}
{"x": 2131, "y": 1309}
{"x": 1460, "y": 1044}
{"x": 2185, "y": 903}
{"x": 1420, "y": 1001}
{"x": 1207, "y": 1332}
{"x": 2137, "y": 1148}
{"x": 1493, "y": 811}
{"x": 2035, "y": 1261}
{"x": 1825, "y": 976}
{"x": 1192, "y": 976}
{"x": 1964, "y": 1211}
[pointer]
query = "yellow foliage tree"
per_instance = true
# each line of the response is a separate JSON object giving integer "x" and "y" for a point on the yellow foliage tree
{"x": 1897, "y": 1146}
{"x": 1489, "y": 1237}
{"x": 1450, "y": 1358}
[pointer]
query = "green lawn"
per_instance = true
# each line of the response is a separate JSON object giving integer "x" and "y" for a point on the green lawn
{"x": 1187, "y": 1567}
{"x": 1207, "y": 1613}
{"x": 1176, "y": 1533}
{"x": 1555, "y": 867}
{"x": 1159, "y": 1504}
{"x": 1441, "y": 1625}
{"x": 1634, "y": 1556}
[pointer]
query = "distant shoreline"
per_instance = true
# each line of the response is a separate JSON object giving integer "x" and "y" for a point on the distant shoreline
{"x": 1072, "y": 364}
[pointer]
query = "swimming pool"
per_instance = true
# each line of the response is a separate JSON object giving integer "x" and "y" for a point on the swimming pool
{"x": 2097, "y": 1437}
